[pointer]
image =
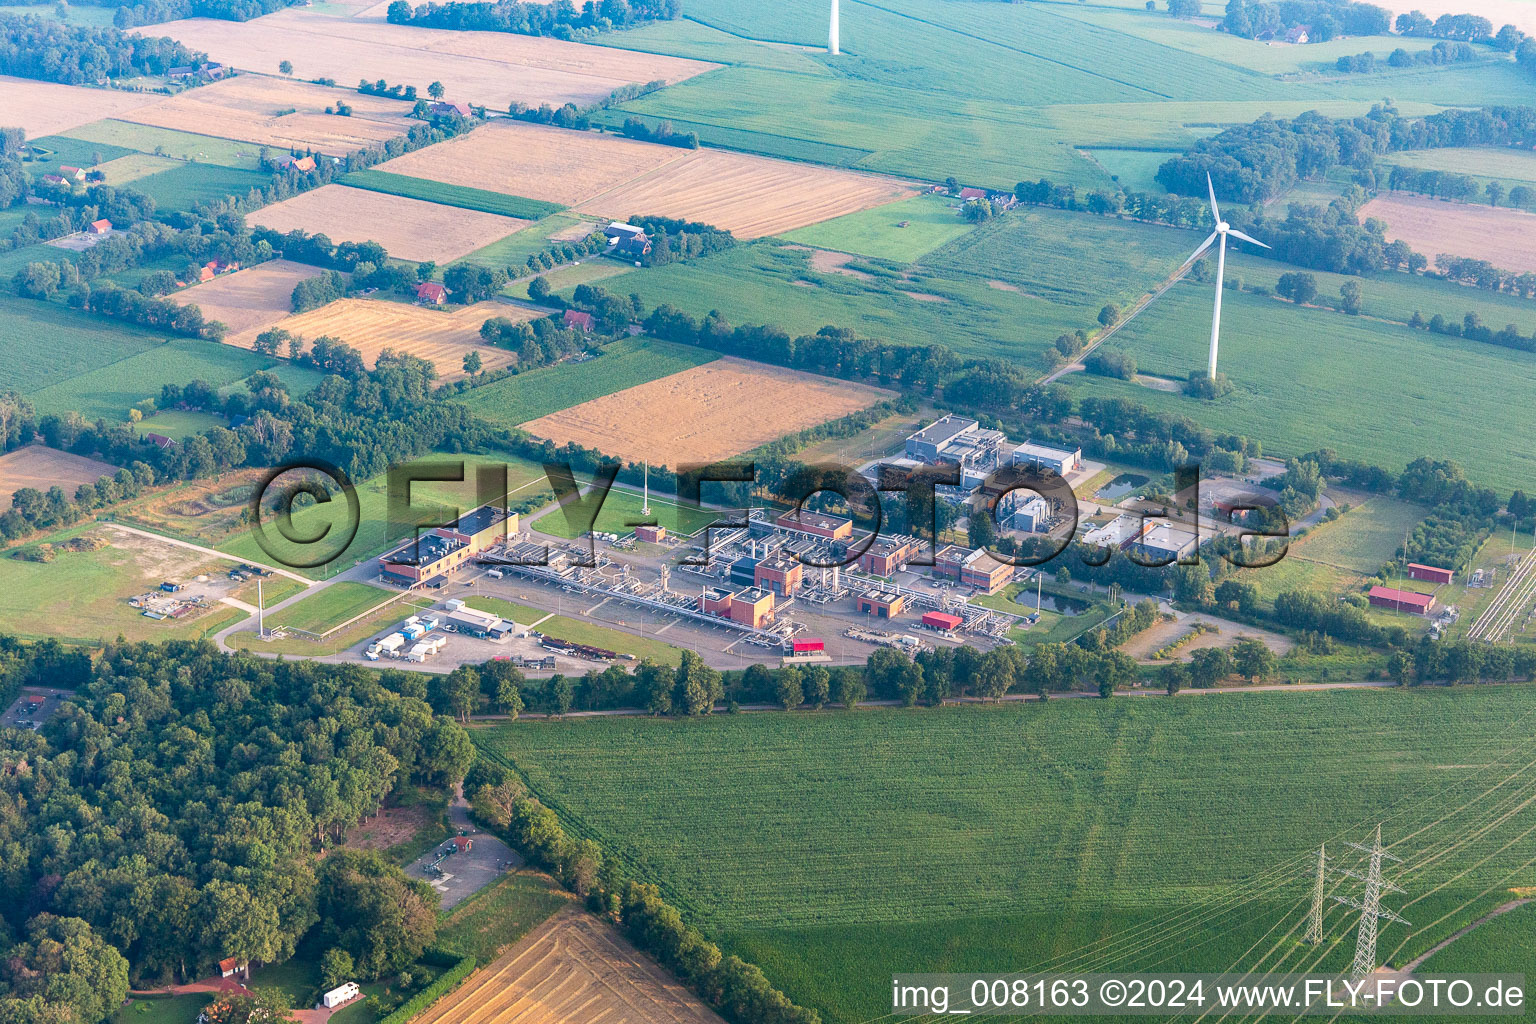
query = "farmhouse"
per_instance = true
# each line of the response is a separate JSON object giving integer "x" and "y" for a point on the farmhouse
{"x": 296, "y": 163}
{"x": 1040, "y": 456}
{"x": 1430, "y": 573}
{"x": 577, "y": 320}
{"x": 816, "y": 524}
{"x": 100, "y": 227}
{"x": 1299, "y": 34}
{"x": 72, "y": 173}
{"x": 1401, "y": 600}
{"x": 444, "y": 108}
{"x": 447, "y": 549}
{"x": 881, "y": 604}
{"x": 430, "y": 293}
{"x": 160, "y": 440}
{"x": 54, "y": 179}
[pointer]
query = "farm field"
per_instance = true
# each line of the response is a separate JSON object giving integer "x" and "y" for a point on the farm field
{"x": 245, "y": 108}
{"x": 623, "y": 364}
{"x": 489, "y": 68}
{"x": 537, "y": 161}
{"x": 442, "y": 337}
{"x": 514, "y": 250}
{"x": 750, "y": 196}
{"x": 184, "y": 146}
{"x": 566, "y": 278}
{"x": 408, "y": 229}
{"x": 1509, "y": 165}
{"x": 249, "y": 300}
{"x": 572, "y": 967}
{"x": 879, "y": 233}
{"x": 839, "y": 878}
{"x": 109, "y": 390}
{"x": 1298, "y": 375}
{"x": 182, "y": 188}
{"x": 131, "y": 168}
{"x": 46, "y": 108}
{"x": 710, "y": 412}
{"x": 462, "y": 196}
{"x": 78, "y": 342}
{"x": 1433, "y": 227}
{"x": 1134, "y": 169}
{"x": 40, "y": 468}
{"x": 487, "y": 923}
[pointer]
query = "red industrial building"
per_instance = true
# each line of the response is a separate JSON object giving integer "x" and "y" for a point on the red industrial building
{"x": 881, "y": 605}
{"x": 750, "y": 607}
{"x": 780, "y": 574}
{"x": 1401, "y": 600}
{"x": 972, "y": 568}
{"x": 887, "y": 555}
{"x": 942, "y": 621}
{"x": 651, "y": 534}
{"x": 807, "y": 647}
{"x": 817, "y": 524}
{"x": 1430, "y": 573}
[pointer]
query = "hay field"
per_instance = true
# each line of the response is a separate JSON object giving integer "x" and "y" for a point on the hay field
{"x": 751, "y": 196}
{"x": 251, "y": 300}
{"x": 490, "y": 68}
{"x": 440, "y": 336}
{"x": 1432, "y": 226}
{"x": 571, "y": 967}
{"x": 42, "y": 467}
{"x": 535, "y": 161}
{"x": 410, "y": 229}
{"x": 246, "y": 107}
{"x": 47, "y": 108}
{"x": 135, "y": 166}
{"x": 710, "y": 412}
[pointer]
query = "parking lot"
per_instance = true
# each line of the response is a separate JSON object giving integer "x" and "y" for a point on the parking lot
{"x": 464, "y": 873}
{"x": 34, "y": 707}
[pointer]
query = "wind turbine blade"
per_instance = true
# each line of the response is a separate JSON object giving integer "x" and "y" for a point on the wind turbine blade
{"x": 1201, "y": 251}
{"x": 1238, "y": 234}
{"x": 1215, "y": 210}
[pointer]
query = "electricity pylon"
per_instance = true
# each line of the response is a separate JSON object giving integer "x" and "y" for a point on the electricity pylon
{"x": 1370, "y": 906}
{"x": 1315, "y": 918}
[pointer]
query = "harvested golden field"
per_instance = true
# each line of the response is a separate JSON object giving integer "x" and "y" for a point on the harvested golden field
{"x": 47, "y": 108}
{"x": 248, "y": 301}
{"x": 710, "y": 412}
{"x": 535, "y": 161}
{"x": 751, "y": 196}
{"x": 440, "y": 336}
{"x": 490, "y": 68}
{"x": 41, "y": 467}
{"x": 1432, "y": 227}
{"x": 409, "y": 229}
{"x": 246, "y": 108}
{"x": 573, "y": 967}
{"x": 135, "y": 166}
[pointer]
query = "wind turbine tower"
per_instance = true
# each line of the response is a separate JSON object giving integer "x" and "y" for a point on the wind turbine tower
{"x": 1217, "y": 238}
{"x": 832, "y": 46}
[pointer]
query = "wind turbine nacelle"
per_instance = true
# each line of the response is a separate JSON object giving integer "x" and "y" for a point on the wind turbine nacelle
{"x": 1223, "y": 227}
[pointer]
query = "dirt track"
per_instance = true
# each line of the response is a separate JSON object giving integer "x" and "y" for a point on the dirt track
{"x": 573, "y": 967}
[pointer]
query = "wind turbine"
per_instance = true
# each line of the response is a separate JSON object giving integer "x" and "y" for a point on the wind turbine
{"x": 832, "y": 47}
{"x": 1219, "y": 239}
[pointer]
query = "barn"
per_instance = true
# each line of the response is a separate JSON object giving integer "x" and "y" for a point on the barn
{"x": 1401, "y": 600}
{"x": 1430, "y": 573}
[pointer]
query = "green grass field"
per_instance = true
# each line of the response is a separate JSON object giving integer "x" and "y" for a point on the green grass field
{"x": 178, "y": 423}
{"x": 145, "y": 138}
{"x": 111, "y": 389}
{"x": 581, "y": 630}
{"x": 1134, "y": 169}
{"x": 624, "y": 364}
{"x": 622, "y": 507}
{"x": 77, "y": 342}
{"x": 996, "y": 838}
{"x": 93, "y": 17}
{"x": 495, "y": 917}
{"x": 184, "y": 187}
{"x": 175, "y": 1010}
{"x": 566, "y": 278}
{"x": 330, "y": 607}
{"x": 451, "y": 195}
{"x": 1307, "y": 379}
{"x": 514, "y": 250}
{"x": 1363, "y": 538}
{"x": 135, "y": 166}
{"x": 64, "y": 149}
{"x": 931, "y": 221}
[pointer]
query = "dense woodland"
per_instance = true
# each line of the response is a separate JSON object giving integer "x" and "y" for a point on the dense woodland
{"x": 1323, "y": 19}
{"x": 32, "y": 47}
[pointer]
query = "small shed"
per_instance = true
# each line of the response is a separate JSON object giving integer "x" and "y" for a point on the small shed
{"x": 1430, "y": 573}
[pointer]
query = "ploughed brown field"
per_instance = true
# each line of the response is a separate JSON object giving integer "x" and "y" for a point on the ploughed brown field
{"x": 408, "y": 229}
{"x": 246, "y": 108}
{"x": 39, "y": 467}
{"x": 1433, "y": 226}
{"x": 709, "y": 412}
{"x": 47, "y": 108}
{"x": 440, "y": 336}
{"x": 250, "y": 300}
{"x": 616, "y": 177}
{"x": 489, "y": 68}
{"x": 573, "y": 967}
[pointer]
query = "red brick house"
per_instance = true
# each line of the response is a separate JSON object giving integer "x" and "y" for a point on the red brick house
{"x": 100, "y": 227}
{"x": 582, "y": 322}
{"x": 430, "y": 293}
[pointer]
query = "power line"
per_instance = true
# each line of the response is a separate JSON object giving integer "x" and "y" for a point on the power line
{"x": 1315, "y": 918}
{"x": 1370, "y": 906}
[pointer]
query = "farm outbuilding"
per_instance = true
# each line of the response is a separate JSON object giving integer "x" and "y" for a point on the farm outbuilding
{"x": 1401, "y": 600}
{"x": 1430, "y": 573}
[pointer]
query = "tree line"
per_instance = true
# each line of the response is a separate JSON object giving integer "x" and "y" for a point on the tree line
{"x": 32, "y": 47}
{"x": 1443, "y": 52}
{"x": 563, "y": 21}
{"x": 1323, "y": 19}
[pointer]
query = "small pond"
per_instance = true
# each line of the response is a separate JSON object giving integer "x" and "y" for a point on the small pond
{"x": 1120, "y": 486}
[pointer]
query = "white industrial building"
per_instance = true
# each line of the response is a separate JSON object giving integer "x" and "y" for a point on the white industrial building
{"x": 1045, "y": 457}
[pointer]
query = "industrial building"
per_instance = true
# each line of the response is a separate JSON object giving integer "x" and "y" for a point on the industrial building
{"x": 780, "y": 574}
{"x": 1163, "y": 542}
{"x": 1041, "y": 456}
{"x": 477, "y": 623}
{"x": 750, "y": 607}
{"x": 972, "y": 568}
{"x": 881, "y": 604}
{"x": 1430, "y": 573}
{"x": 886, "y": 556}
{"x": 1401, "y": 600}
{"x": 816, "y": 524}
{"x": 1027, "y": 513}
{"x": 925, "y": 445}
{"x": 942, "y": 621}
{"x": 651, "y": 534}
{"x": 433, "y": 556}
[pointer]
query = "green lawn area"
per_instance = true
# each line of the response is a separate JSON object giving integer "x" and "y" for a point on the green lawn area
{"x": 497, "y": 916}
{"x": 379, "y": 623}
{"x": 178, "y": 423}
{"x": 174, "y": 1010}
{"x": 1307, "y": 379}
{"x": 168, "y": 142}
{"x": 1134, "y": 169}
{"x": 117, "y": 384}
{"x": 524, "y": 478}
{"x": 514, "y": 250}
{"x": 891, "y": 836}
{"x": 1362, "y": 539}
{"x": 582, "y": 631}
{"x": 930, "y": 222}
{"x": 623, "y": 364}
{"x": 184, "y": 187}
{"x": 331, "y": 607}
{"x": 566, "y": 278}
{"x": 450, "y": 195}
{"x": 622, "y": 507}
{"x": 135, "y": 166}
{"x": 63, "y": 149}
